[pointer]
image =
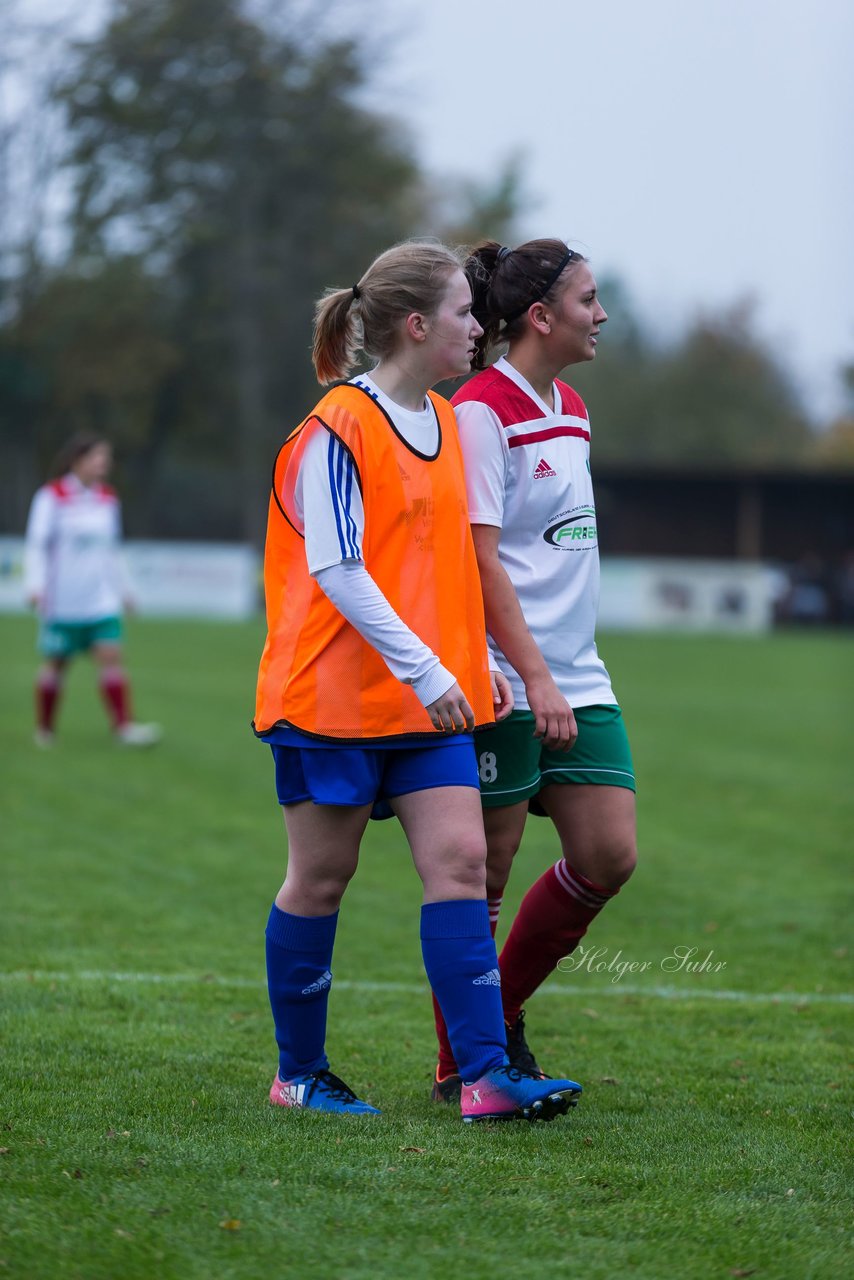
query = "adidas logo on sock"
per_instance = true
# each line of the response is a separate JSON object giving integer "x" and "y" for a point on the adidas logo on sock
{"x": 542, "y": 470}
{"x": 490, "y": 979}
{"x": 323, "y": 982}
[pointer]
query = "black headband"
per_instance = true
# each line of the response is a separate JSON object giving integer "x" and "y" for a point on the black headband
{"x": 541, "y": 292}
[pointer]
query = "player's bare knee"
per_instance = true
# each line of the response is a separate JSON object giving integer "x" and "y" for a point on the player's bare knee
{"x": 497, "y": 876}
{"x": 472, "y": 864}
{"x": 325, "y": 892}
{"x": 326, "y": 898}
{"x": 466, "y": 869}
{"x": 619, "y": 865}
{"x": 455, "y": 868}
{"x": 499, "y": 858}
{"x": 464, "y": 886}
{"x": 608, "y": 865}
{"x": 496, "y": 882}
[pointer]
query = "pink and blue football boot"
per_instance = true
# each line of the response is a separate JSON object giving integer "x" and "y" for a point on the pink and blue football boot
{"x": 507, "y": 1093}
{"x": 319, "y": 1091}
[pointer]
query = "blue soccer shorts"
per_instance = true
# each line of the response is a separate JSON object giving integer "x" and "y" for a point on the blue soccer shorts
{"x": 354, "y": 776}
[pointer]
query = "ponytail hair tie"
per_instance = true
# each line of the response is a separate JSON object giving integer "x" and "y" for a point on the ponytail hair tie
{"x": 503, "y": 253}
{"x": 357, "y": 292}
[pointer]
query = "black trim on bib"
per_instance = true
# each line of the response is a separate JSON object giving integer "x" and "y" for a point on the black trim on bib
{"x": 314, "y": 417}
{"x": 425, "y": 457}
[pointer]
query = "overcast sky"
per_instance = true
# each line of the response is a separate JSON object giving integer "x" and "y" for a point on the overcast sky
{"x": 700, "y": 149}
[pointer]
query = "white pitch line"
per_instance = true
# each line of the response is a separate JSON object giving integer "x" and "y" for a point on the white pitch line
{"x": 420, "y": 989}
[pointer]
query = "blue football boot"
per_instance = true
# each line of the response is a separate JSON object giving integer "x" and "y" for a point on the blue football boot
{"x": 319, "y": 1091}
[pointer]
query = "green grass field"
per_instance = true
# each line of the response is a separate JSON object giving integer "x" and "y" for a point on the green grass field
{"x": 137, "y": 1048}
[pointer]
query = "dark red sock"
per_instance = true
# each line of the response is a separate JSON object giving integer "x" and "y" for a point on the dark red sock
{"x": 48, "y": 689}
{"x": 447, "y": 1062}
{"x": 115, "y": 691}
{"x": 552, "y": 918}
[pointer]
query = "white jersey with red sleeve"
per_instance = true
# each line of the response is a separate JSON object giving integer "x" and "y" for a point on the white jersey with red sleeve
{"x": 528, "y": 473}
{"x": 72, "y": 558}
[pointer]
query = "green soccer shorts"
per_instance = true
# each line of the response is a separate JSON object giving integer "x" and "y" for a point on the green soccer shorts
{"x": 64, "y": 639}
{"x": 513, "y": 765}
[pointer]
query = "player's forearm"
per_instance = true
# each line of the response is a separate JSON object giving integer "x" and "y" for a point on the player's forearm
{"x": 356, "y": 595}
{"x": 37, "y": 543}
{"x": 35, "y": 569}
{"x": 506, "y": 623}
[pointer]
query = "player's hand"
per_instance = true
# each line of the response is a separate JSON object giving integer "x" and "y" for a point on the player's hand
{"x": 554, "y": 721}
{"x": 502, "y": 695}
{"x": 451, "y": 713}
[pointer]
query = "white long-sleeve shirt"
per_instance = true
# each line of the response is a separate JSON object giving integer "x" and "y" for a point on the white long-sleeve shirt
{"x": 72, "y": 555}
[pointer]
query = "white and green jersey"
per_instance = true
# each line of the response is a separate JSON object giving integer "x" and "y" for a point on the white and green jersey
{"x": 72, "y": 558}
{"x": 528, "y": 473}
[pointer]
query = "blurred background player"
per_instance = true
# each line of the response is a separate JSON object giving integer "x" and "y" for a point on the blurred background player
{"x": 563, "y": 750}
{"x": 375, "y": 673}
{"x": 74, "y": 577}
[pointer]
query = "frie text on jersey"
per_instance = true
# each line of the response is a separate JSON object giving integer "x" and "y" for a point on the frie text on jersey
{"x": 572, "y": 530}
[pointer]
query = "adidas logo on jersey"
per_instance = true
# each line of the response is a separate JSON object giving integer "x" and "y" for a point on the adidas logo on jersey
{"x": 324, "y": 981}
{"x": 542, "y": 470}
{"x": 490, "y": 979}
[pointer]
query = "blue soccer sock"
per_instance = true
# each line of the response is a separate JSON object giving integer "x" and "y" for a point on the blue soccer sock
{"x": 299, "y": 959}
{"x": 462, "y": 968}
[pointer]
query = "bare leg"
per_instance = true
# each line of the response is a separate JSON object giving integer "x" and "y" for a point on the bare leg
{"x": 504, "y": 827}
{"x": 323, "y": 853}
{"x": 444, "y": 828}
{"x": 597, "y": 830}
{"x": 596, "y": 826}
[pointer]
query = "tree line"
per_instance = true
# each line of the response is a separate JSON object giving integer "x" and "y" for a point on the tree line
{"x": 222, "y": 169}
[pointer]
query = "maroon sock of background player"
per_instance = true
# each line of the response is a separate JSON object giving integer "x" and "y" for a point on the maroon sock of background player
{"x": 447, "y": 1063}
{"x": 115, "y": 691}
{"x": 552, "y": 918}
{"x": 48, "y": 690}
